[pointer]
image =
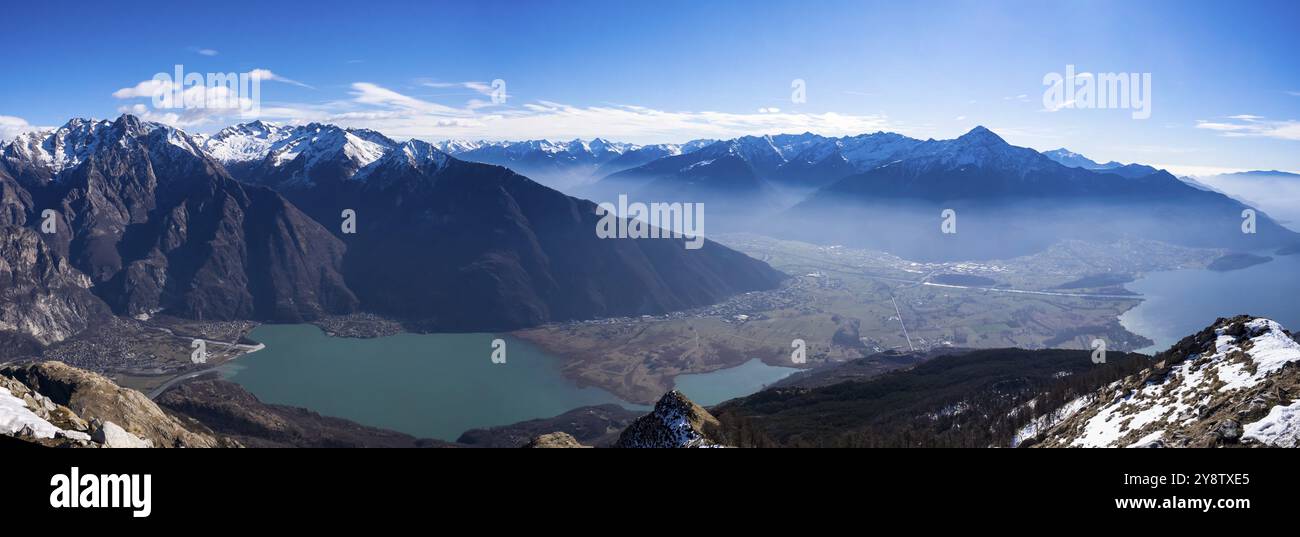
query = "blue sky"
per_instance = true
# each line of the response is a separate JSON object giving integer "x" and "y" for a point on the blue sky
{"x": 1225, "y": 90}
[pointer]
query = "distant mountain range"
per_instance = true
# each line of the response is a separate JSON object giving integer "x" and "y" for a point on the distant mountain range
{"x": 1010, "y": 201}
{"x": 246, "y": 223}
{"x": 1276, "y": 192}
{"x": 1074, "y": 160}
{"x": 564, "y": 165}
{"x": 887, "y": 191}
{"x": 736, "y": 172}
{"x": 155, "y": 221}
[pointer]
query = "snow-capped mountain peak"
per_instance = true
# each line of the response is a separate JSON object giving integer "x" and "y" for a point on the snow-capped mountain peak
{"x": 413, "y": 154}
{"x": 246, "y": 142}
{"x": 1074, "y": 160}
{"x": 79, "y": 139}
{"x": 313, "y": 144}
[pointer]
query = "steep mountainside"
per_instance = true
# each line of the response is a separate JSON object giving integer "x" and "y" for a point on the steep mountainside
{"x": 157, "y": 224}
{"x": 15, "y": 201}
{"x": 456, "y": 245}
{"x": 42, "y": 297}
{"x": 1234, "y": 383}
{"x": 498, "y": 250}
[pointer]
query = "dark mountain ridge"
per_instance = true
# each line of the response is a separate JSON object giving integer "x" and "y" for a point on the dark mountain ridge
{"x": 456, "y": 245}
{"x": 157, "y": 225}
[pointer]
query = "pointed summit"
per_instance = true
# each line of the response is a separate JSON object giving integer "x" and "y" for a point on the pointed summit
{"x": 982, "y": 136}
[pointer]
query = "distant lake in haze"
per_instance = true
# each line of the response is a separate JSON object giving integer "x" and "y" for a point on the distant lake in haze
{"x": 1179, "y": 303}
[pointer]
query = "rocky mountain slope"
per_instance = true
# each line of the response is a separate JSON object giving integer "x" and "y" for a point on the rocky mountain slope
{"x": 1236, "y": 383}
{"x": 43, "y": 299}
{"x": 455, "y": 245}
{"x": 54, "y": 404}
{"x": 154, "y": 219}
{"x": 157, "y": 224}
{"x": 554, "y": 441}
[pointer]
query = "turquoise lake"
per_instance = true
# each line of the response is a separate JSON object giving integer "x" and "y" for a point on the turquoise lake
{"x": 439, "y": 385}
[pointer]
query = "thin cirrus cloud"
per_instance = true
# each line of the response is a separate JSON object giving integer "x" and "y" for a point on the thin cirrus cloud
{"x": 400, "y": 115}
{"x": 480, "y": 88}
{"x": 266, "y": 74}
{"x": 403, "y": 116}
{"x": 1247, "y": 125}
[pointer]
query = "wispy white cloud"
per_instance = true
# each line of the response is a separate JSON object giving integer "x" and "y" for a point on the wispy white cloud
{"x": 201, "y": 104}
{"x": 404, "y": 116}
{"x": 481, "y": 88}
{"x": 379, "y": 96}
{"x": 207, "y": 52}
{"x": 401, "y": 116}
{"x": 266, "y": 74}
{"x": 11, "y": 126}
{"x": 146, "y": 89}
{"x": 1246, "y": 125}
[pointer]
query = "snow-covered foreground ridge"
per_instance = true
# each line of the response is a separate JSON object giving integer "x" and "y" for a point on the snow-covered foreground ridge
{"x": 1235, "y": 383}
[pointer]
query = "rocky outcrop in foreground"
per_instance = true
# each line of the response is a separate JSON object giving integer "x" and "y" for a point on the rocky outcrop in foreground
{"x": 54, "y": 404}
{"x": 553, "y": 441}
{"x": 1236, "y": 383}
{"x": 676, "y": 422}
